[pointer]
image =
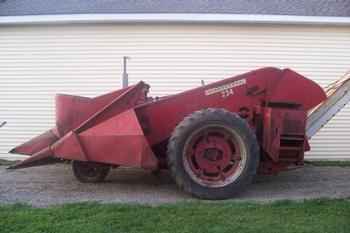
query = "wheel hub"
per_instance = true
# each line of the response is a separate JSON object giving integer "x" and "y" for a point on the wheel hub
{"x": 213, "y": 156}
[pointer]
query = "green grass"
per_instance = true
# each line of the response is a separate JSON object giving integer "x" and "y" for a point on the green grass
{"x": 319, "y": 216}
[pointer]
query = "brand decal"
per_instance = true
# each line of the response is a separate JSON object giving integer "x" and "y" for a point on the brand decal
{"x": 227, "y": 89}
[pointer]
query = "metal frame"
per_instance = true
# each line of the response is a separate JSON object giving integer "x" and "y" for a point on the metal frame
{"x": 337, "y": 100}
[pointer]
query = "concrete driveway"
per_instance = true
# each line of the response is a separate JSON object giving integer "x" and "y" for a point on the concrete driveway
{"x": 55, "y": 184}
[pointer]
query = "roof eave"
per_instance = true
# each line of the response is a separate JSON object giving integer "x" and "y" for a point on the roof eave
{"x": 174, "y": 18}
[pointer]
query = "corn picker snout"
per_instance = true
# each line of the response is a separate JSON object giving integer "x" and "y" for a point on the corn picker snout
{"x": 214, "y": 139}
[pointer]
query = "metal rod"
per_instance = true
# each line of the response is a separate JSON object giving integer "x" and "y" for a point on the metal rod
{"x": 125, "y": 80}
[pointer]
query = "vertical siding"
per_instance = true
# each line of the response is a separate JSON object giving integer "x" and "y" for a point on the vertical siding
{"x": 38, "y": 61}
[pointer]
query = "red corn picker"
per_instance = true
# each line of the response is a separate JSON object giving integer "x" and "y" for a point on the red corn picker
{"x": 214, "y": 139}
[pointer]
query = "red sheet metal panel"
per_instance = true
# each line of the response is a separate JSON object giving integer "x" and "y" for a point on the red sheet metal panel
{"x": 69, "y": 147}
{"x": 295, "y": 88}
{"x": 110, "y": 135}
{"x": 36, "y": 144}
{"x": 284, "y": 134}
{"x": 119, "y": 140}
{"x": 124, "y": 126}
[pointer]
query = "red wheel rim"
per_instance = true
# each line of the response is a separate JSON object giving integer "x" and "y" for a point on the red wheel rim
{"x": 214, "y": 156}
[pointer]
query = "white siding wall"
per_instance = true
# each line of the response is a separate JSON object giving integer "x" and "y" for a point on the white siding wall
{"x": 38, "y": 61}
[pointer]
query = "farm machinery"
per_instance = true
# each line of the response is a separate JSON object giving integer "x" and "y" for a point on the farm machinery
{"x": 214, "y": 138}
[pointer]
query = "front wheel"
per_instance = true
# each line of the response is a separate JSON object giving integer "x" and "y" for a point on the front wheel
{"x": 90, "y": 172}
{"x": 213, "y": 154}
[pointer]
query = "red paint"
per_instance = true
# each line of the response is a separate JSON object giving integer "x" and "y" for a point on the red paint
{"x": 212, "y": 155}
{"x": 126, "y": 127}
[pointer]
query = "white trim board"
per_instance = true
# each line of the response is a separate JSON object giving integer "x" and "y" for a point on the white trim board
{"x": 174, "y": 18}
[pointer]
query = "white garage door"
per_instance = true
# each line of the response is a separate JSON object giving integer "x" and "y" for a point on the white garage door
{"x": 38, "y": 61}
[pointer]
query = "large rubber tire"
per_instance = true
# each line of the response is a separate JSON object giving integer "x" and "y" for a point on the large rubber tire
{"x": 90, "y": 172}
{"x": 184, "y": 132}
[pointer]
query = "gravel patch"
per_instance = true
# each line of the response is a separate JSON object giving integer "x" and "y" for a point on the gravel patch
{"x": 55, "y": 184}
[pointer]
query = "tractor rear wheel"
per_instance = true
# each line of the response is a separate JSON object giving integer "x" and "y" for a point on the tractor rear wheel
{"x": 213, "y": 154}
{"x": 90, "y": 172}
